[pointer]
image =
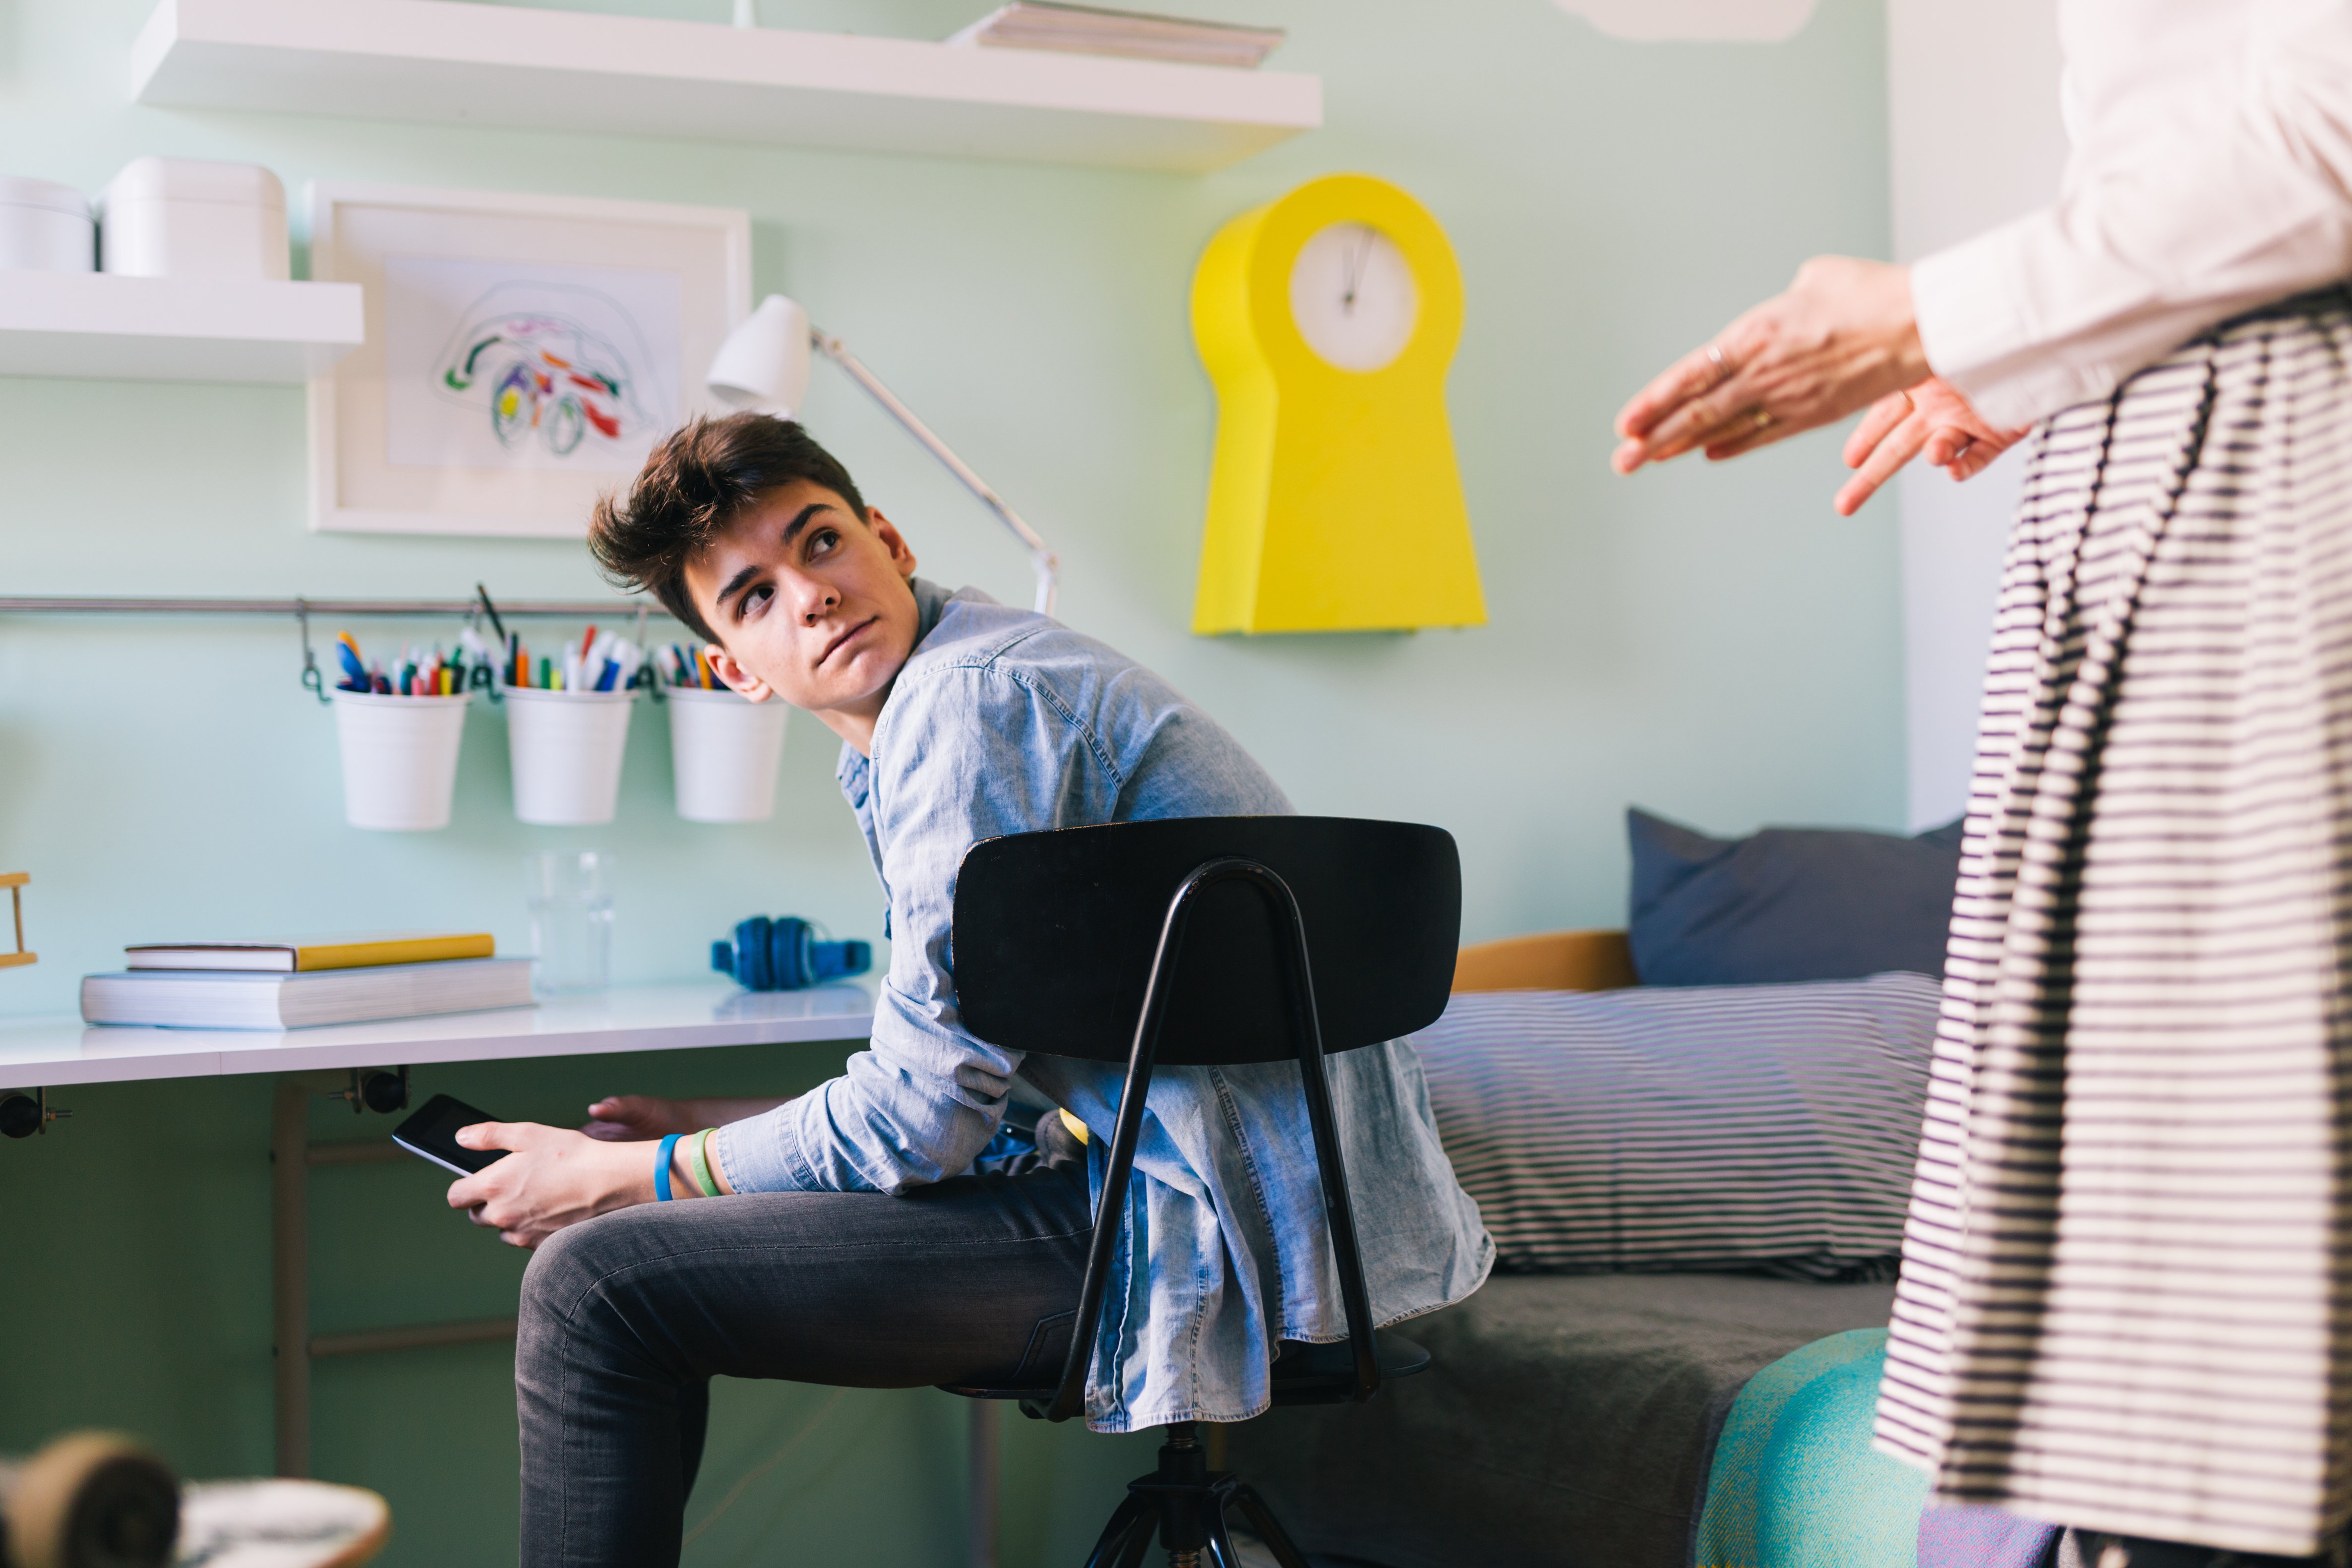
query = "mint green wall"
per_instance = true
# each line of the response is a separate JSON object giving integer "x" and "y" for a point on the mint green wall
{"x": 1712, "y": 643}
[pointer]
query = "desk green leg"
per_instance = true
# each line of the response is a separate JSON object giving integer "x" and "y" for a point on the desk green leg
{"x": 980, "y": 1514}
{"x": 290, "y": 1273}
{"x": 292, "y": 1158}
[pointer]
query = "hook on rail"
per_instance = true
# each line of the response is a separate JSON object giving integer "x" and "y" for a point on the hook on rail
{"x": 312, "y": 680}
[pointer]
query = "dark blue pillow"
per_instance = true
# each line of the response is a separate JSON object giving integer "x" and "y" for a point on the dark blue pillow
{"x": 1787, "y": 904}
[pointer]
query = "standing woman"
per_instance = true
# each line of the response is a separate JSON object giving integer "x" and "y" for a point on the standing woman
{"x": 2126, "y": 1292}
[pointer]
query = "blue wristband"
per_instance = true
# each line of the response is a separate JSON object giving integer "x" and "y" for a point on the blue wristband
{"x": 661, "y": 1168}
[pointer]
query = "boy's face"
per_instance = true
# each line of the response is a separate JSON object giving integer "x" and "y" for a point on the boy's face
{"x": 811, "y": 604}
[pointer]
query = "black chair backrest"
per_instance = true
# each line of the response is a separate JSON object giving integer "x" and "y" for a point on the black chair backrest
{"x": 1200, "y": 941}
{"x": 1054, "y": 934}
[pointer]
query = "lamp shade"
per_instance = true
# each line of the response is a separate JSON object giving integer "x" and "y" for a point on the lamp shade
{"x": 764, "y": 363}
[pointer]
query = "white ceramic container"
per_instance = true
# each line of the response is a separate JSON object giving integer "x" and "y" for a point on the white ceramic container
{"x": 44, "y": 226}
{"x": 192, "y": 217}
{"x": 566, "y": 749}
{"x": 723, "y": 753}
{"x": 400, "y": 759}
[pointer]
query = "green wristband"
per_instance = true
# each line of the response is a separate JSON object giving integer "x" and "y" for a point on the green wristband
{"x": 701, "y": 1167}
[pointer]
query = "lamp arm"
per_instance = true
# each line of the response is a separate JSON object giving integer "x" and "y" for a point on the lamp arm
{"x": 1041, "y": 559}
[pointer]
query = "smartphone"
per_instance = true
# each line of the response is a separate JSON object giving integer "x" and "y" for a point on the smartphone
{"x": 433, "y": 1133}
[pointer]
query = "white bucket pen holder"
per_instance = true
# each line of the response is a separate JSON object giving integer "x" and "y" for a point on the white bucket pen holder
{"x": 398, "y": 731}
{"x": 568, "y": 728}
{"x": 724, "y": 749}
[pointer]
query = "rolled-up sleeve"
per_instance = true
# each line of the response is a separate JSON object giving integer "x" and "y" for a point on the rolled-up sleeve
{"x": 2136, "y": 257}
{"x": 965, "y": 753}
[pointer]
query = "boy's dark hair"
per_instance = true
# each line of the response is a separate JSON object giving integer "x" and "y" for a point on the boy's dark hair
{"x": 692, "y": 488}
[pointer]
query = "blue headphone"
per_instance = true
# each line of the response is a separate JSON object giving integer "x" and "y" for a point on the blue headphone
{"x": 785, "y": 954}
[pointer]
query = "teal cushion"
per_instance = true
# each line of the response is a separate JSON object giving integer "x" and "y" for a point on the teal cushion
{"x": 1795, "y": 1483}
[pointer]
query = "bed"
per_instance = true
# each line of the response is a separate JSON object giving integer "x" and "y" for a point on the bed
{"x": 1606, "y": 1420}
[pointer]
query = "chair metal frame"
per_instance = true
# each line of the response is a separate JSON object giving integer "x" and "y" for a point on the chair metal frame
{"x": 1069, "y": 1398}
{"x": 1183, "y": 1503}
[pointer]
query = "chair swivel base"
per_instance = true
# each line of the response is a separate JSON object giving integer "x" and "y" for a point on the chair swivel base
{"x": 1184, "y": 1504}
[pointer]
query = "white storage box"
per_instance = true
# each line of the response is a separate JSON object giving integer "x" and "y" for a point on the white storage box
{"x": 189, "y": 217}
{"x": 44, "y": 226}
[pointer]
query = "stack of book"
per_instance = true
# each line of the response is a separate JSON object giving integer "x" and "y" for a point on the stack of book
{"x": 291, "y": 985}
{"x": 1097, "y": 30}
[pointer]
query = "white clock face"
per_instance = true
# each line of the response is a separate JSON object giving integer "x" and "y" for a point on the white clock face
{"x": 1353, "y": 297}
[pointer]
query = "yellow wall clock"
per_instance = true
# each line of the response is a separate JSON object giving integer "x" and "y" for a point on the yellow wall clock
{"x": 1326, "y": 321}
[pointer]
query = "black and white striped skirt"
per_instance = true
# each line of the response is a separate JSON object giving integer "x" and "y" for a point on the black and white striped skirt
{"x": 2123, "y": 1297}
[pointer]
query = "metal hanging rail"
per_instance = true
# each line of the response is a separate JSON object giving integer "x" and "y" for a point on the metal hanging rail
{"x": 302, "y": 609}
{"x": 568, "y": 608}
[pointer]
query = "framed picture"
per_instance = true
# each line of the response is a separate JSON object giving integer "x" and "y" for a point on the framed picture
{"x": 524, "y": 353}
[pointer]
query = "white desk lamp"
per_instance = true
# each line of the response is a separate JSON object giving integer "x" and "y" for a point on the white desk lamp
{"x": 764, "y": 364}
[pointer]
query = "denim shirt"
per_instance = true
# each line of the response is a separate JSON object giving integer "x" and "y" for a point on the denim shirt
{"x": 1004, "y": 722}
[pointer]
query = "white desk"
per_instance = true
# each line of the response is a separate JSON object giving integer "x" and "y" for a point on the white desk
{"x": 52, "y": 1052}
{"x": 49, "y": 1053}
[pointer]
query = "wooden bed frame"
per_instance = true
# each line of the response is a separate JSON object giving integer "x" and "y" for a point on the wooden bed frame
{"x": 1552, "y": 961}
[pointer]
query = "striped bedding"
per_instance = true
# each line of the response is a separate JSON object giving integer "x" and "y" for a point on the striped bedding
{"x": 1762, "y": 1127}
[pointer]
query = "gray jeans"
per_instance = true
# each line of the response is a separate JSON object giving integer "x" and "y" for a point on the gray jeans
{"x": 626, "y": 1318}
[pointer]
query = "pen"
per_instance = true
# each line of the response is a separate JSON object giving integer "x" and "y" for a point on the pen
{"x": 497, "y": 625}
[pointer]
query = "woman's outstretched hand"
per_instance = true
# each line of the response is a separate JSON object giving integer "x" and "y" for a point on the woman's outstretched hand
{"x": 1931, "y": 418}
{"x": 1841, "y": 338}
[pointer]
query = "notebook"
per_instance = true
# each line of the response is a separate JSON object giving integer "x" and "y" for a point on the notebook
{"x": 215, "y": 999}
{"x": 1096, "y": 30}
{"x": 326, "y": 953}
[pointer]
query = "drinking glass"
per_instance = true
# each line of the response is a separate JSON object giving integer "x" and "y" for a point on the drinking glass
{"x": 570, "y": 920}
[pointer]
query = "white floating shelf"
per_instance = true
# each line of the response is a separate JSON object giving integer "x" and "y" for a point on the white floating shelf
{"x": 96, "y": 325}
{"x": 568, "y": 70}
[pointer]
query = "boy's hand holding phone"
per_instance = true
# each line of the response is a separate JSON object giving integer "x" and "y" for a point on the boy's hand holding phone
{"x": 527, "y": 1180}
{"x": 552, "y": 1177}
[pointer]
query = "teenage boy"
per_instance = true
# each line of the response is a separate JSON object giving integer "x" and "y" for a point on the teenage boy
{"x": 849, "y": 1237}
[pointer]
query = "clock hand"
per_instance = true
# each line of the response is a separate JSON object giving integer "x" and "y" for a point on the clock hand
{"x": 1357, "y": 256}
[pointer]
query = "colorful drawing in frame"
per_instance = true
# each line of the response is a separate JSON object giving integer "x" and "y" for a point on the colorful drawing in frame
{"x": 546, "y": 372}
{"x": 501, "y": 365}
{"x": 389, "y": 451}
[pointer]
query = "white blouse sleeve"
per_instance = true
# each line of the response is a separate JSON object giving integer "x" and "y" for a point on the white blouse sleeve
{"x": 2138, "y": 257}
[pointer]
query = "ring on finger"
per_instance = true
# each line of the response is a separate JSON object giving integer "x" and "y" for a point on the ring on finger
{"x": 1761, "y": 419}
